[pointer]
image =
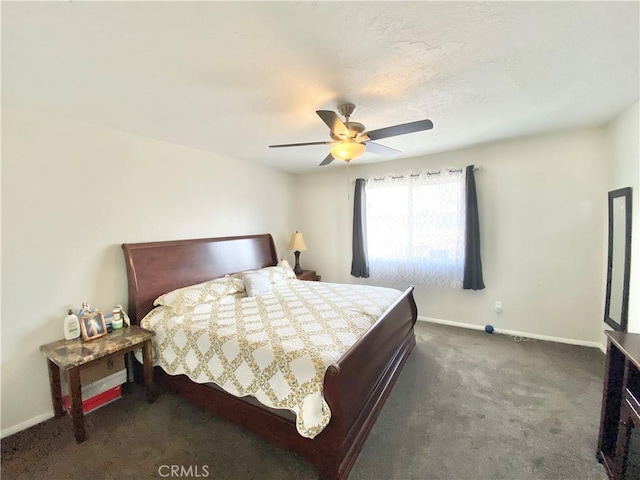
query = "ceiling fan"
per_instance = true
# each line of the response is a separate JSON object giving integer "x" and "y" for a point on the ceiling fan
{"x": 350, "y": 139}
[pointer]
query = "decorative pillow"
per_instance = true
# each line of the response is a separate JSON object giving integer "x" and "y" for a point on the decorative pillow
{"x": 260, "y": 281}
{"x": 257, "y": 282}
{"x": 184, "y": 298}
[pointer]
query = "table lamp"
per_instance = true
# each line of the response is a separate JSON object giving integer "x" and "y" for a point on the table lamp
{"x": 297, "y": 245}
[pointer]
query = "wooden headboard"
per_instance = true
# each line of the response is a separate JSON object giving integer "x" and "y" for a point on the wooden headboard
{"x": 155, "y": 268}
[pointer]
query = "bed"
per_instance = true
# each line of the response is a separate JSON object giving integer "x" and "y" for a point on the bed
{"x": 355, "y": 387}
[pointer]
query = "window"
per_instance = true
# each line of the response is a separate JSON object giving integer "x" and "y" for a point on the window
{"x": 416, "y": 228}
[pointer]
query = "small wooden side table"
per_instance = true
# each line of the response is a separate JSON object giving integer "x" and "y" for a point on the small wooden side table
{"x": 309, "y": 275}
{"x": 76, "y": 355}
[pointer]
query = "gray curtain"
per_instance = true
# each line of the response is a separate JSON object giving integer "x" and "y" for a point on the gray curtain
{"x": 360, "y": 261}
{"x": 472, "y": 261}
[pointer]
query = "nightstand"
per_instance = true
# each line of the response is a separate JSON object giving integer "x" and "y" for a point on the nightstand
{"x": 76, "y": 355}
{"x": 309, "y": 275}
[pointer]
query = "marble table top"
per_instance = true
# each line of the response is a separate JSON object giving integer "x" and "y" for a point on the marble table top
{"x": 72, "y": 353}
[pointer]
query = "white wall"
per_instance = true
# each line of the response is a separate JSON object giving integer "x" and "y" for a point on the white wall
{"x": 542, "y": 207}
{"x": 625, "y": 160}
{"x": 71, "y": 194}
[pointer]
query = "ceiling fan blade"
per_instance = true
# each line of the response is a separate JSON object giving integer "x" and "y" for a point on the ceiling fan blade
{"x": 411, "y": 127}
{"x": 300, "y": 144}
{"x": 334, "y": 123}
{"x": 327, "y": 160}
{"x": 381, "y": 149}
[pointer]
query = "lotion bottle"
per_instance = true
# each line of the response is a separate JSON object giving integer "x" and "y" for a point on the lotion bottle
{"x": 71, "y": 326}
{"x": 125, "y": 318}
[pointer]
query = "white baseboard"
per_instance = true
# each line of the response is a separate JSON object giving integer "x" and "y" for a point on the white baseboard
{"x": 515, "y": 333}
{"x": 26, "y": 424}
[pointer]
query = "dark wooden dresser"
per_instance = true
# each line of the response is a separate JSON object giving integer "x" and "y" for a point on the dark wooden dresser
{"x": 619, "y": 439}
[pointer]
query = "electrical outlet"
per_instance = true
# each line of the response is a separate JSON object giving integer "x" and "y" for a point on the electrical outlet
{"x": 498, "y": 307}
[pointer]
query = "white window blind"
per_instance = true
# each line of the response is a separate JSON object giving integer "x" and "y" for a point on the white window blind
{"x": 416, "y": 228}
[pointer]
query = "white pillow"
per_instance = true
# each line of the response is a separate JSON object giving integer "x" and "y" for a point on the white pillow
{"x": 257, "y": 282}
{"x": 260, "y": 281}
{"x": 184, "y": 298}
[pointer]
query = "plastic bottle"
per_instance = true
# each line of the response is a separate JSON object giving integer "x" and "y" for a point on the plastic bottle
{"x": 71, "y": 326}
{"x": 124, "y": 316}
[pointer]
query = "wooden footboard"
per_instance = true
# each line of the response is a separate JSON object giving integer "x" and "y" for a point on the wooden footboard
{"x": 358, "y": 385}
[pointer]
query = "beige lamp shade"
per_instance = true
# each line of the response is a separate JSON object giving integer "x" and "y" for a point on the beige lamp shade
{"x": 297, "y": 242}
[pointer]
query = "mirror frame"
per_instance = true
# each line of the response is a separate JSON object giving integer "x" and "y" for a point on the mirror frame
{"x": 622, "y": 325}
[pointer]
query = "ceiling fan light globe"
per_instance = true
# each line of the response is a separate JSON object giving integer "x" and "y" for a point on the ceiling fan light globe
{"x": 347, "y": 150}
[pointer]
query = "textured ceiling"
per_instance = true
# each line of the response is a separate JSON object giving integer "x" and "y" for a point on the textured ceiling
{"x": 233, "y": 78}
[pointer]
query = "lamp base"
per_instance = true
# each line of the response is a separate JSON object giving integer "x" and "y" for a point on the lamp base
{"x": 297, "y": 269}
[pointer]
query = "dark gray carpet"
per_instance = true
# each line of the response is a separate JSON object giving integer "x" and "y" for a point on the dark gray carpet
{"x": 467, "y": 405}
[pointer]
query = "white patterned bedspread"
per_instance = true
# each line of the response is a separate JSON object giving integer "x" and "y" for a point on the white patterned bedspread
{"x": 276, "y": 347}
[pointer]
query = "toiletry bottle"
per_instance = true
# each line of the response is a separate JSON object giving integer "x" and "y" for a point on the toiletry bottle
{"x": 71, "y": 326}
{"x": 125, "y": 318}
{"x": 116, "y": 319}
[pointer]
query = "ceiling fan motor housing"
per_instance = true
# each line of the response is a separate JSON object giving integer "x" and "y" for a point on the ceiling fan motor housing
{"x": 355, "y": 129}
